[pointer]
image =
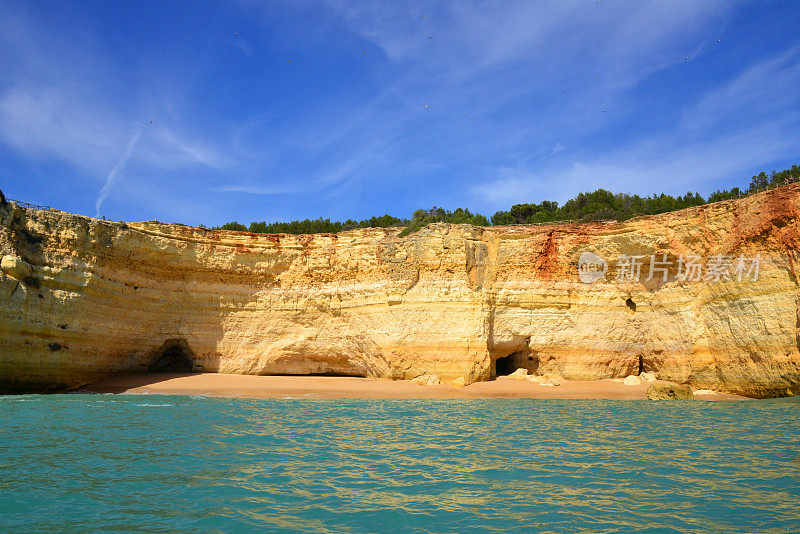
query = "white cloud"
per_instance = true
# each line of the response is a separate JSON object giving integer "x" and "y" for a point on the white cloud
{"x": 257, "y": 189}
{"x": 115, "y": 170}
{"x": 739, "y": 125}
{"x": 52, "y": 123}
{"x": 646, "y": 168}
{"x": 62, "y": 98}
{"x": 514, "y": 91}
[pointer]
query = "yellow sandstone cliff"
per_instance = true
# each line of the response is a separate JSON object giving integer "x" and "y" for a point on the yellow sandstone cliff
{"x": 83, "y": 299}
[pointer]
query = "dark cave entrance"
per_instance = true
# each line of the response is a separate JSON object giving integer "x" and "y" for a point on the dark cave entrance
{"x": 505, "y": 366}
{"x": 630, "y": 304}
{"x": 525, "y": 359}
{"x": 641, "y": 365}
{"x": 174, "y": 356}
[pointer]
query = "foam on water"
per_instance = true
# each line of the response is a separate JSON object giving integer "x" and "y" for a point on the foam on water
{"x": 200, "y": 464}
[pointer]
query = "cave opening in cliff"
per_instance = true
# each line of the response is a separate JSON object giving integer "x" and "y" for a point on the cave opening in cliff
{"x": 524, "y": 359}
{"x": 505, "y": 365}
{"x": 174, "y": 356}
{"x": 630, "y": 304}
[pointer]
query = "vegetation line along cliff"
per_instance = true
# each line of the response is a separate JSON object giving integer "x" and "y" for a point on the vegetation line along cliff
{"x": 83, "y": 299}
{"x": 585, "y": 207}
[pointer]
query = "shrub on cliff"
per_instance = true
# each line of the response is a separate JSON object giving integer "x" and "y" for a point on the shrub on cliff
{"x": 458, "y": 216}
{"x": 2, "y": 198}
{"x": 720, "y": 195}
{"x": 233, "y": 225}
{"x": 597, "y": 205}
{"x": 307, "y": 226}
{"x": 315, "y": 226}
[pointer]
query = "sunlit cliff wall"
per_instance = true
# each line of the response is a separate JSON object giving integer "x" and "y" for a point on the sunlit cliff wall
{"x": 83, "y": 299}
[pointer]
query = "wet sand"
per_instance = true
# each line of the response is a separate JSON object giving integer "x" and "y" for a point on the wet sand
{"x": 335, "y": 387}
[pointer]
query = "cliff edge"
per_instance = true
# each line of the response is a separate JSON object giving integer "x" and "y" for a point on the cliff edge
{"x": 706, "y": 296}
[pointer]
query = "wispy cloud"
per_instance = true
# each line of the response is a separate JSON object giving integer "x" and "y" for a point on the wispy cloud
{"x": 257, "y": 190}
{"x": 115, "y": 170}
{"x": 242, "y": 45}
{"x": 485, "y": 62}
{"x": 702, "y": 166}
{"x": 49, "y": 122}
{"x": 388, "y": 104}
{"x": 61, "y": 101}
{"x": 742, "y": 124}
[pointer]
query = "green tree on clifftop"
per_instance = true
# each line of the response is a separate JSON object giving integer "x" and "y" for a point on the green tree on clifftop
{"x": 597, "y": 205}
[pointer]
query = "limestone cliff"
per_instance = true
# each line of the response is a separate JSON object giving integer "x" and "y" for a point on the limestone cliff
{"x": 83, "y": 299}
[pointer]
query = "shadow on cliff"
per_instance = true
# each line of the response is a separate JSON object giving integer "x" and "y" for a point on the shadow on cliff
{"x": 174, "y": 355}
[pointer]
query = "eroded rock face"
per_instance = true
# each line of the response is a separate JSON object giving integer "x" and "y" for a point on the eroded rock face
{"x": 84, "y": 299}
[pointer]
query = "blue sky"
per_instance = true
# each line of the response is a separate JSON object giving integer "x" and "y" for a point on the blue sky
{"x": 204, "y": 112}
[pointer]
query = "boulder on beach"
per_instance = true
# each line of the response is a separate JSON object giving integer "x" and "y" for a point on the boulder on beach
{"x": 648, "y": 377}
{"x": 519, "y": 374}
{"x": 661, "y": 390}
{"x": 427, "y": 380}
{"x": 632, "y": 380}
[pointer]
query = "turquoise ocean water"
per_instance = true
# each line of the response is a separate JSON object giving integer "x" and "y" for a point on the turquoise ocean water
{"x": 100, "y": 463}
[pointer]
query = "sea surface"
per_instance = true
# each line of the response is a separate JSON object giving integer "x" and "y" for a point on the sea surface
{"x": 153, "y": 463}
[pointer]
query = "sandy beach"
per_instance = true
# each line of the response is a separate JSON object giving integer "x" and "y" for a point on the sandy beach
{"x": 334, "y": 387}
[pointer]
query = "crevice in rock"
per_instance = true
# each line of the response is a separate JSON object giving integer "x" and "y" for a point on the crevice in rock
{"x": 797, "y": 326}
{"x": 630, "y": 304}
